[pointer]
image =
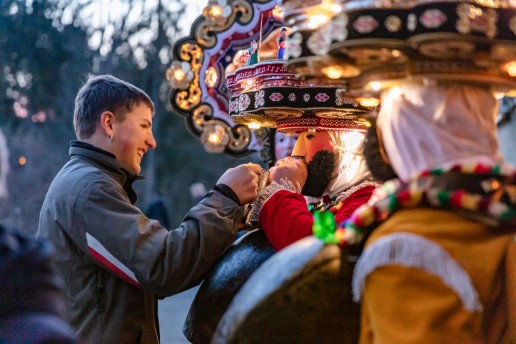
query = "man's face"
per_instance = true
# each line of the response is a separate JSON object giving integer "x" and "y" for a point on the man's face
{"x": 132, "y": 137}
{"x": 318, "y": 151}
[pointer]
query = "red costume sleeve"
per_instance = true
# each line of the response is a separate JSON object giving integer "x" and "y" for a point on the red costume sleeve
{"x": 355, "y": 200}
{"x": 285, "y": 218}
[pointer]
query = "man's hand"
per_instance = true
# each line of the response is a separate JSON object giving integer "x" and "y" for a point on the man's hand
{"x": 290, "y": 168}
{"x": 243, "y": 180}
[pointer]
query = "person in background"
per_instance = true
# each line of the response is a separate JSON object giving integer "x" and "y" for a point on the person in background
{"x": 32, "y": 308}
{"x": 275, "y": 145}
{"x": 284, "y": 144}
{"x": 114, "y": 260}
{"x": 197, "y": 192}
{"x": 157, "y": 210}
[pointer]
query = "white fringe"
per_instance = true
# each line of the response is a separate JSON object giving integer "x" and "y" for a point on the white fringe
{"x": 267, "y": 193}
{"x": 416, "y": 252}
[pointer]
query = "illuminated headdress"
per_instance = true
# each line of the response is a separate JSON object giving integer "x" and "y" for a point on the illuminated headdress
{"x": 265, "y": 95}
{"x": 371, "y": 45}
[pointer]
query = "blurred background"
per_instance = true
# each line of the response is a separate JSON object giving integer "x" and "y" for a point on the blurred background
{"x": 47, "y": 49}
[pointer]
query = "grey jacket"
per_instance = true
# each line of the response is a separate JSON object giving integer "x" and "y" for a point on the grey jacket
{"x": 113, "y": 259}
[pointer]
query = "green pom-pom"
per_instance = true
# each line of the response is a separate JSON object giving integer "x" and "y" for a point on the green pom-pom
{"x": 324, "y": 227}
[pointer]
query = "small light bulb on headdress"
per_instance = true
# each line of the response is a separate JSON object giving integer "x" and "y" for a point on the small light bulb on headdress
{"x": 511, "y": 68}
{"x": 278, "y": 12}
{"x": 369, "y": 102}
{"x": 317, "y": 20}
{"x": 332, "y": 72}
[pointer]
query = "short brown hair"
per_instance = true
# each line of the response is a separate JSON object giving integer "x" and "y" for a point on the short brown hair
{"x": 103, "y": 93}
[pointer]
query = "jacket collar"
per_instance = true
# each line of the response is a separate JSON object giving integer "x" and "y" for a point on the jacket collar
{"x": 108, "y": 162}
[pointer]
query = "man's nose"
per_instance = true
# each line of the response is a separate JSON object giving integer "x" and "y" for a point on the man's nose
{"x": 151, "y": 141}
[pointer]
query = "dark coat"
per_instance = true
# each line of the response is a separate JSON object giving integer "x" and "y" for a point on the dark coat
{"x": 113, "y": 259}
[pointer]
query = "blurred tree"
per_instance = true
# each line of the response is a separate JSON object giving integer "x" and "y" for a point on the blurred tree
{"x": 41, "y": 65}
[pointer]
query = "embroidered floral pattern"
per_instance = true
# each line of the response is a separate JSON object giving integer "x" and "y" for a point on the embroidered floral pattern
{"x": 322, "y": 97}
{"x": 233, "y": 106}
{"x": 306, "y": 97}
{"x": 338, "y": 28}
{"x": 365, "y": 24}
{"x": 259, "y": 98}
{"x": 473, "y": 18}
{"x": 319, "y": 42}
{"x": 393, "y": 23}
{"x": 343, "y": 100}
{"x": 433, "y": 19}
{"x": 276, "y": 97}
{"x": 292, "y": 97}
{"x": 294, "y": 45}
{"x": 243, "y": 102}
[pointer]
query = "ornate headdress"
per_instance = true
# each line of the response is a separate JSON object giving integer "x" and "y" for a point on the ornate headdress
{"x": 266, "y": 94}
{"x": 370, "y": 45}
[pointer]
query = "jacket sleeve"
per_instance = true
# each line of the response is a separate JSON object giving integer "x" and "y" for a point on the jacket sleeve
{"x": 123, "y": 240}
{"x": 285, "y": 218}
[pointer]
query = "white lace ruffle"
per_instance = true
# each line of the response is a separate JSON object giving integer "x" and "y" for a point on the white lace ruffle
{"x": 267, "y": 192}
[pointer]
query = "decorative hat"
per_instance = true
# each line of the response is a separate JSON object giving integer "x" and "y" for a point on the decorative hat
{"x": 369, "y": 45}
{"x": 268, "y": 95}
{"x": 219, "y": 112}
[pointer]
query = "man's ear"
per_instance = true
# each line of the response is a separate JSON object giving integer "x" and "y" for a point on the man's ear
{"x": 106, "y": 122}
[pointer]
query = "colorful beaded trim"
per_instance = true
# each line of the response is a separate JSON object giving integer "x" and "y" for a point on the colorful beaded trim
{"x": 394, "y": 195}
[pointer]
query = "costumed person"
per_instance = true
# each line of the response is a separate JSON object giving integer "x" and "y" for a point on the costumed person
{"x": 254, "y": 51}
{"x": 114, "y": 260}
{"x": 275, "y": 145}
{"x": 282, "y": 43}
{"x": 328, "y": 168}
{"x": 506, "y": 124}
{"x": 439, "y": 265}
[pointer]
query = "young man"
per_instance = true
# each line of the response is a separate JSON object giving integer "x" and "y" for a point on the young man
{"x": 113, "y": 259}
